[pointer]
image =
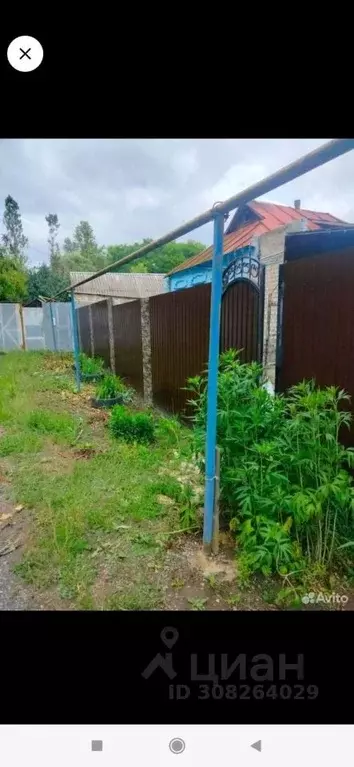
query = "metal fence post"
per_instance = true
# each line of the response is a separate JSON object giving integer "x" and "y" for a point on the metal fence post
{"x": 92, "y": 335}
{"x": 214, "y": 341}
{"x": 55, "y": 348}
{"x": 111, "y": 334}
{"x": 75, "y": 341}
{"x": 215, "y": 540}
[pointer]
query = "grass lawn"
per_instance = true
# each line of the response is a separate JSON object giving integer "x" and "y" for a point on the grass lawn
{"x": 104, "y": 520}
{"x": 90, "y": 522}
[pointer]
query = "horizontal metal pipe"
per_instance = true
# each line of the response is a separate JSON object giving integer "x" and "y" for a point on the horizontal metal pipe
{"x": 299, "y": 167}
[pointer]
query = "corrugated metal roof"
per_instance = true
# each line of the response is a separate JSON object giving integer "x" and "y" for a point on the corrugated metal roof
{"x": 280, "y": 215}
{"x": 232, "y": 241}
{"x": 122, "y": 285}
{"x": 271, "y": 217}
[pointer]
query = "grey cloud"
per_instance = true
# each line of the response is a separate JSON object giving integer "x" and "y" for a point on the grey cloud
{"x": 134, "y": 188}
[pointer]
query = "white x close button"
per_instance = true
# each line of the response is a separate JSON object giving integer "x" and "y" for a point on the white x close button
{"x": 25, "y": 53}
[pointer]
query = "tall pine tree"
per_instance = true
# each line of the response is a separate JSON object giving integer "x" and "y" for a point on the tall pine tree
{"x": 54, "y": 255}
{"x": 14, "y": 239}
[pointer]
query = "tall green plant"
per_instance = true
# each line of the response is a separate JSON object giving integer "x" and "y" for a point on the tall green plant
{"x": 284, "y": 481}
{"x": 91, "y": 365}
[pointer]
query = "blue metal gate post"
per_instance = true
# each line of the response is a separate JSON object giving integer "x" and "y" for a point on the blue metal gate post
{"x": 214, "y": 341}
{"x": 75, "y": 340}
{"x": 53, "y": 327}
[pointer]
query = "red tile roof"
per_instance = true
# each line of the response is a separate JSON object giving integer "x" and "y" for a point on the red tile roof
{"x": 270, "y": 217}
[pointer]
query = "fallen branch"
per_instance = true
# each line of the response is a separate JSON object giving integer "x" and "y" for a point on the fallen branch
{"x": 9, "y": 547}
{"x": 175, "y": 532}
{"x": 75, "y": 441}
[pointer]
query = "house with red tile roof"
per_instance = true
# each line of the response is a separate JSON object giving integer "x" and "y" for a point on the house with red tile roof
{"x": 260, "y": 225}
{"x": 248, "y": 223}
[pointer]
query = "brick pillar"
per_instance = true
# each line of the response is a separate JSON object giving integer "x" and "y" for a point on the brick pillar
{"x": 270, "y": 320}
{"x": 111, "y": 335}
{"x": 146, "y": 348}
{"x": 92, "y": 335}
{"x": 272, "y": 248}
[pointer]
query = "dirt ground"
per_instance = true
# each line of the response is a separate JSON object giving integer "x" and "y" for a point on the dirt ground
{"x": 187, "y": 578}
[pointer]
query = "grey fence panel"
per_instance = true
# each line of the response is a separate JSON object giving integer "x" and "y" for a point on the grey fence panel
{"x": 37, "y": 327}
{"x": 33, "y": 325}
{"x": 10, "y": 327}
{"x": 62, "y": 318}
{"x": 61, "y": 326}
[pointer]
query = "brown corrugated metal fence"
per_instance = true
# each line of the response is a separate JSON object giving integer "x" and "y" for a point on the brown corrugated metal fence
{"x": 179, "y": 325}
{"x": 84, "y": 329}
{"x": 317, "y": 331}
{"x": 128, "y": 343}
{"x": 100, "y": 330}
{"x": 180, "y": 336}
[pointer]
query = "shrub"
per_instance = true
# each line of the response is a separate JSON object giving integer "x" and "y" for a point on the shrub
{"x": 132, "y": 427}
{"x": 284, "y": 486}
{"x": 110, "y": 387}
{"x": 91, "y": 365}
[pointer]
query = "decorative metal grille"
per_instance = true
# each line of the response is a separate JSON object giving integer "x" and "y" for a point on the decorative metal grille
{"x": 244, "y": 267}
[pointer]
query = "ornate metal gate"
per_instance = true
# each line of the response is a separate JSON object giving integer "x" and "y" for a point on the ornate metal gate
{"x": 243, "y": 307}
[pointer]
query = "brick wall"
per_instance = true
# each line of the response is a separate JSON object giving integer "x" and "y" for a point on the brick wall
{"x": 271, "y": 253}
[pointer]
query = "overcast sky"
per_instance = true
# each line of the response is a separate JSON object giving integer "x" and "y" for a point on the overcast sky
{"x": 133, "y": 188}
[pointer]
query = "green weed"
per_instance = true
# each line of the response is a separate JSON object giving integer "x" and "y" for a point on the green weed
{"x": 61, "y": 426}
{"x": 178, "y": 583}
{"x": 234, "y": 599}
{"x": 110, "y": 387}
{"x": 139, "y": 597}
{"x": 132, "y": 427}
{"x": 211, "y": 581}
{"x": 90, "y": 365}
{"x": 197, "y": 603}
{"x": 12, "y": 444}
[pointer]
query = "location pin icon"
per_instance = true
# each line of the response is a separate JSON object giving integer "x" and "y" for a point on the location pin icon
{"x": 169, "y": 636}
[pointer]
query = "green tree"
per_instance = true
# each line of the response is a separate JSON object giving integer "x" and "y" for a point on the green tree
{"x": 43, "y": 281}
{"x": 82, "y": 254}
{"x": 160, "y": 261}
{"x": 54, "y": 255}
{"x": 14, "y": 239}
{"x": 77, "y": 262}
{"x": 84, "y": 240}
{"x": 68, "y": 245}
{"x": 13, "y": 280}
